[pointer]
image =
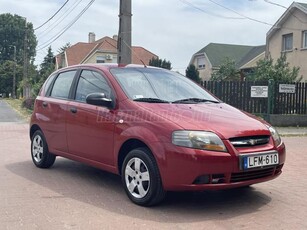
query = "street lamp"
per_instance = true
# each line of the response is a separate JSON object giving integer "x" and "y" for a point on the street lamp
{"x": 14, "y": 73}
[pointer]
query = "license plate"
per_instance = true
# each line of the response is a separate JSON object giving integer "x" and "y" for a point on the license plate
{"x": 257, "y": 160}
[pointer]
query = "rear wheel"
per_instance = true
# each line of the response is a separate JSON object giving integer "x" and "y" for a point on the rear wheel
{"x": 39, "y": 151}
{"x": 141, "y": 178}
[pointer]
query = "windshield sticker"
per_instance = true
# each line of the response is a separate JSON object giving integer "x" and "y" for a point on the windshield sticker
{"x": 137, "y": 96}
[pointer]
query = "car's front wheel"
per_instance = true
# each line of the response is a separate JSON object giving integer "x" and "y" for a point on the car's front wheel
{"x": 141, "y": 178}
{"x": 39, "y": 151}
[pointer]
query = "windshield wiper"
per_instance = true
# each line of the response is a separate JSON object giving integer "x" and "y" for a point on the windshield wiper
{"x": 193, "y": 100}
{"x": 150, "y": 100}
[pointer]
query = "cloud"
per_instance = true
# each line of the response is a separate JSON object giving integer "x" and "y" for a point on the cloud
{"x": 170, "y": 29}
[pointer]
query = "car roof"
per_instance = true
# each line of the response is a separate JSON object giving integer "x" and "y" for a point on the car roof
{"x": 107, "y": 66}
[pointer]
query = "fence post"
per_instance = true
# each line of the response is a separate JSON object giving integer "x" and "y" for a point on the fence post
{"x": 270, "y": 98}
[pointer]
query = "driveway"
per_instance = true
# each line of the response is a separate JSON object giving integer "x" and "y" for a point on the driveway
{"x": 71, "y": 195}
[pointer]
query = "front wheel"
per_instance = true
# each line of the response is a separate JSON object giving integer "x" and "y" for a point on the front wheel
{"x": 141, "y": 178}
{"x": 39, "y": 151}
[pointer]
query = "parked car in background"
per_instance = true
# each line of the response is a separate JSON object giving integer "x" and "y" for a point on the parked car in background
{"x": 155, "y": 128}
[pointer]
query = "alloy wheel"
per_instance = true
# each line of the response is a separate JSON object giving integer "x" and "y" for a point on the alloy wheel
{"x": 137, "y": 177}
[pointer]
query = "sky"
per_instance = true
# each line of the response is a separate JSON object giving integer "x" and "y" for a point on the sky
{"x": 172, "y": 29}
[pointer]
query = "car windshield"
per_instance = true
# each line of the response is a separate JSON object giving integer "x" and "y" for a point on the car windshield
{"x": 160, "y": 86}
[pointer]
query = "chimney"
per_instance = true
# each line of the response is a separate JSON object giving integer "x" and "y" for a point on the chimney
{"x": 115, "y": 37}
{"x": 91, "y": 37}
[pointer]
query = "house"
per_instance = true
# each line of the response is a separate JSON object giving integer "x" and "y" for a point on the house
{"x": 289, "y": 36}
{"x": 212, "y": 56}
{"x": 103, "y": 50}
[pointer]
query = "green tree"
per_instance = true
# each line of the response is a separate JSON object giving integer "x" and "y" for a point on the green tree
{"x": 160, "y": 63}
{"x": 279, "y": 71}
{"x": 46, "y": 68}
{"x": 64, "y": 47}
{"x": 6, "y": 76}
{"x": 226, "y": 72}
{"x": 192, "y": 73}
{"x": 15, "y": 31}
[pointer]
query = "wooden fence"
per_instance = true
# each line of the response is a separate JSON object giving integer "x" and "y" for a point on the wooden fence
{"x": 279, "y": 100}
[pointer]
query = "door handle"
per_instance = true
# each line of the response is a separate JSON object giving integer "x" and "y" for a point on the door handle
{"x": 73, "y": 110}
{"x": 45, "y": 104}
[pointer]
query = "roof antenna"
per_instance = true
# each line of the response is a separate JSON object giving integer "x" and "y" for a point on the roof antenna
{"x": 145, "y": 66}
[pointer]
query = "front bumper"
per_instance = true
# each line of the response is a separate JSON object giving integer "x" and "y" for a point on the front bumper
{"x": 186, "y": 169}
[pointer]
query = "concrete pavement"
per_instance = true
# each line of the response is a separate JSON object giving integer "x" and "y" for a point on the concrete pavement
{"x": 71, "y": 195}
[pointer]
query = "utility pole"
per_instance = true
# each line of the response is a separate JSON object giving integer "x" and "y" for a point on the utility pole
{"x": 25, "y": 63}
{"x": 14, "y": 75}
{"x": 124, "y": 34}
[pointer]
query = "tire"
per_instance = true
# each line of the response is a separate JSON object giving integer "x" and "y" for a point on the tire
{"x": 39, "y": 151}
{"x": 141, "y": 178}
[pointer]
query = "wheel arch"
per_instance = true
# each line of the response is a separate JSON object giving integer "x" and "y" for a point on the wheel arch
{"x": 33, "y": 129}
{"x": 126, "y": 147}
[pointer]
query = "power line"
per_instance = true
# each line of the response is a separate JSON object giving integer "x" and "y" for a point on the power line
{"x": 250, "y": 18}
{"x": 51, "y": 40}
{"x": 52, "y": 16}
{"x": 207, "y": 12}
{"x": 275, "y": 4}
{"x": 242, "y": 15}
{"x": 279, "y": 5}
{"x": 62, "y": 18}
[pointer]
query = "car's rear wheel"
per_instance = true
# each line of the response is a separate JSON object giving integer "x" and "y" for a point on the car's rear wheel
{"x": 141, "y": 178}
{"x": 39, "y": 151}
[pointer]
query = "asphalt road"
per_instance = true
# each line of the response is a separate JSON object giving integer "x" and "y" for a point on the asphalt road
{"x": 71, "y": 195}
{"x": 7, "y": 114}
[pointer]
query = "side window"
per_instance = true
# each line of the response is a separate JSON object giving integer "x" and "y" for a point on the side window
{"x": 91, "y": 82}
{"x": 62, "y": 85}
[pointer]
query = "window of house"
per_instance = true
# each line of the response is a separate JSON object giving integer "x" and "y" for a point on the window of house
{"x": 100, "y": 59}
{"x": 62, "y": 85}
{"x": 201, "y": 62}
{"x": 304, "y": 46}
{"x": 91, "y": 82}
{"x": 287, "y": 42}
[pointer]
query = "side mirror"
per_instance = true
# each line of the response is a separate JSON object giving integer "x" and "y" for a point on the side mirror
{"x": 98, "y": 99}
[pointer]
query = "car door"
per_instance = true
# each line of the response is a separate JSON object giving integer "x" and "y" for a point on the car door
{"x": 52, "y": 110}
{"x": 90, "y": 128}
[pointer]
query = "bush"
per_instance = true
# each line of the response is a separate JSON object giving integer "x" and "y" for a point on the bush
{"x": 28, "y": 103}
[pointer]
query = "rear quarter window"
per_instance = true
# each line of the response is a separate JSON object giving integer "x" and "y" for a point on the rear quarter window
{"x": 47, "y": 86}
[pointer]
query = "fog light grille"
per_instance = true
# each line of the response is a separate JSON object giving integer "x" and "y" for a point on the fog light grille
{"x": 204, "y": 179}
{"x": 210, "y": 179}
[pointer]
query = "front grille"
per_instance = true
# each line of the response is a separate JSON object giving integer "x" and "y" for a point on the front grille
{"x": 252, "y": 175}
{"x": 249, "y": 141}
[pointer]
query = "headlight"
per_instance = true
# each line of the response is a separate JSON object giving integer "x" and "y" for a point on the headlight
{"x": 275, "y": 135}
{"x": 198, "y": 140}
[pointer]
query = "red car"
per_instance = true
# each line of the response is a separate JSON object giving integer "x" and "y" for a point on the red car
{"x": 155, "y": 128}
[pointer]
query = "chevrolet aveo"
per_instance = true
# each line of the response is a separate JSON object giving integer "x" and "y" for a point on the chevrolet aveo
{"x": 155, "y": 128}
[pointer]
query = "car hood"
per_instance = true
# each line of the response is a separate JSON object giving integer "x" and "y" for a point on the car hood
{"x": 222, "y": 119}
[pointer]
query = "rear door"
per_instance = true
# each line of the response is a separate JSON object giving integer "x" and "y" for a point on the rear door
{"x": 90, "y": 128}
{"x": 52, "y": 111}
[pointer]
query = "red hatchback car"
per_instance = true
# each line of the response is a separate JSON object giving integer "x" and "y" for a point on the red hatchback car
{"x": 155, "y": 128}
